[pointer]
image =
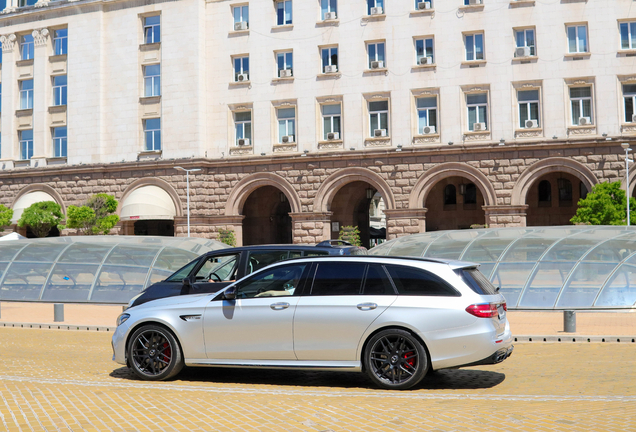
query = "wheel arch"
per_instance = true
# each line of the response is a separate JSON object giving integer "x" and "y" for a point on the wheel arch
{"x": 138, "y": 325}
{"x": 392, "y": 327}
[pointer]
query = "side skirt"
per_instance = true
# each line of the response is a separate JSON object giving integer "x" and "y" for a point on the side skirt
{"x": 348, "y": 366}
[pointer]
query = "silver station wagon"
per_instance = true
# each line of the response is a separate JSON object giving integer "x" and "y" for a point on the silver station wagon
{"x": 394, "y": 318}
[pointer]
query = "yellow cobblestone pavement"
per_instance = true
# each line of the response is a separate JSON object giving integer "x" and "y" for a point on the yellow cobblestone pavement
{"x": 53, "y": 380}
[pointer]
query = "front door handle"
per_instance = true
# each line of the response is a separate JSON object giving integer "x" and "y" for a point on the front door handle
{"x": 279, "y": 306}
{"x": 367, "y": 306}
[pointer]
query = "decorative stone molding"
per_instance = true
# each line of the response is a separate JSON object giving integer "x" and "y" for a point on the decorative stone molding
{"x": 242, "y": 190}
{"x": 285, "y": 148}
{"x": 40, "y": 35}
{"x": 241, "y": 151}
{"x": 499, "y": 216}
{"x": 284, "y": 103}
{"x": 528, "y": 133}
{"x": 377, "y": 142}
{"x": 8, "y": 42}
{"x": 477, "y": 136}
{"x": 426, "y": 139}
{"x": 628, "y": 128}
{"x": 331, "y": 145}
{"x": 627, "y": 79}
{"x": 582, "y": 130}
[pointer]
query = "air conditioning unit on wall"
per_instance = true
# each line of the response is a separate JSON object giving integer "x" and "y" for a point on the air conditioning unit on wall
{"x": 244, "y": 142}
{"x": 331, "y": 69}
{"x": 377, "y": 64}
{"x": 285, "y": 73}
{"x": 522, "y": 52}
{"x": 379, "y": 133}
{"x": 333, "y": 135}
{"x": 242, "y": 25}
{"x": 288, "y": 139}
{"x": 242, "y": 77}
{"x": 532, "y": 124}
{"x": 584, "y": 121}
{"x": 330, "y": 16}
{"x": 477, "y": 127}
{"x": 428, "y": 130}
{"x": 376, "y": 11}
{"x": 423, "y": 5}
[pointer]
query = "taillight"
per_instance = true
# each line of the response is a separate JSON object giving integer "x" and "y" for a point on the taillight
{"x": 505, "y": 306}
{"x": 485, "y": 310}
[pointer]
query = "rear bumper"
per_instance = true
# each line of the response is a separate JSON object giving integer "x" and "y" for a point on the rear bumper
{"x": 497, "y": 357}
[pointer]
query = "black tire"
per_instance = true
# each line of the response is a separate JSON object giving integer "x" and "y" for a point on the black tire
{"x": 154, "y": 353}
{"x": 394, "y": 359}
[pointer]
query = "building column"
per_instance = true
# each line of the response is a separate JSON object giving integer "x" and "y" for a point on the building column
{"x": 311, "y": 227}
{"x": 500, "y": 216}
{"x": 42, "y": 142}
{"x": 8, "y": 146}
{"x": 402, "y": 222}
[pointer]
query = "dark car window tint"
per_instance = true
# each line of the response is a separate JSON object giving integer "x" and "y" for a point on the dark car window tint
{"x": 410, "y": 281}
{"x": 259, "y": 260}
{"x": 338, "y": 278}
{"x": 279, "y": 281}
{"x": 183, "y": 272}
{"x": 218, "y": 268}
{"x": 310, "y": 254}
{"x": 477, "y": 281}
{"x": 377, "y": 281}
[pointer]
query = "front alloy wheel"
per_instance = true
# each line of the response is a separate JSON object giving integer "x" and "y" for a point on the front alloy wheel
{"x": 395, "y": 360}
{"x": 154, "y": 353}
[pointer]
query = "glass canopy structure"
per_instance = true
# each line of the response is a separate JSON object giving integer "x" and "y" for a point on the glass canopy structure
{"x": 92, "y": 269}
{"x": 566, "y": 267}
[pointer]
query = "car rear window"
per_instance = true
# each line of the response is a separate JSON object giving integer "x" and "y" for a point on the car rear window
{"x": 377, "y": 281}
{"x": 338, "y": 279}
{"x": 412, "y": 281}
{"x": 477, "y": 281}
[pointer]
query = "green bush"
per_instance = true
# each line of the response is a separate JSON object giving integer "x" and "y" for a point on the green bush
{"x": 95, "y": 216}
{"x": 605, "y": 205}
{"x": 350, "y": 234}
{"x": 227, "y": 236}
{"x": 6, "y": 214}
{"x": 41, "y": 217}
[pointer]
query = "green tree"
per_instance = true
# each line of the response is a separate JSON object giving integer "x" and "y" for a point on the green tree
{"x": 605, "y": 205}
{"x": 350, "y": 234}
{"x": 95, "y": 216}
{"x": 41, "y": 217}
{"x": 6, "y": 214}
{"x": 227, "y": 236}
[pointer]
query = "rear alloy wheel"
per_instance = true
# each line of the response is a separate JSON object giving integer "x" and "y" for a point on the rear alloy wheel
{"x": 154, "y": 353}
{"x": 395, "y": 360}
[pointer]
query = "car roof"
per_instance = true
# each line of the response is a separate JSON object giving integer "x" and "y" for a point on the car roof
{"x": 324, "y": 246}
{"x": 454, "y": 264}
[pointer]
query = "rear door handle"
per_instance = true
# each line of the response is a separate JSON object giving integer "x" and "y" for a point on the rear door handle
{"x": 279, "y": 306}
{"x": 367, "y": 306}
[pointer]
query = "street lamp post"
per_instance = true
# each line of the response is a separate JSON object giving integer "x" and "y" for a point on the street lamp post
{"x": 627, "y": 161}
{"x": 188, "y": 189}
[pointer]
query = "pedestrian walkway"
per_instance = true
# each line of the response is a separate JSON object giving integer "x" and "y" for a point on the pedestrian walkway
{"x": 617, "y": 323}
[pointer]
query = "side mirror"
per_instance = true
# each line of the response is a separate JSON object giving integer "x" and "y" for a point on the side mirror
{"x": 230, "y": 294}
{"x": 187, "y": 286}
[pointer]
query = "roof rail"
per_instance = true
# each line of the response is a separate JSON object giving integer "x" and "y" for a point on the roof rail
{"x": 329, "y": 243}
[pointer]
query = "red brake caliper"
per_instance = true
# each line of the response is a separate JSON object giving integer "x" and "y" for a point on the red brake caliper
{"x": 411, "y": 361}
{"x": 166, "y": 354}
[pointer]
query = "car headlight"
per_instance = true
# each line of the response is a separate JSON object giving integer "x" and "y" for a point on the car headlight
{"x": 122, "y": 319}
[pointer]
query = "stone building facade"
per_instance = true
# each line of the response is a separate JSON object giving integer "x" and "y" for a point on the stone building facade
{"x": 500, "y": 113}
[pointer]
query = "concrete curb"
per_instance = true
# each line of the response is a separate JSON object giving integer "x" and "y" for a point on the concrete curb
{"x": 575, "y": 339}
{"x": 57, "y": 326}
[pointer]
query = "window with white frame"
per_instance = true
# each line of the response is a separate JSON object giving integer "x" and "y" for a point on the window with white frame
{"x": 286, "y": 125}
{"x": 577, "y": 39}
{"x": 152, "y": 133}
{"x": 628, "y": 35}
{"x": 59, "y": 141}
{"x": 241, "y": 15}
{"x": 474, "y": 46}
{"x": 152, "y": 29}
{"x": 59, "y": 90}
{"x": 0, "y": 97}
{"x": 60, "y": 41}
{"x": 424, "y": 51}
{"x": 426, "y": 115}
{"x": 379, "y": 118}
{"x": 581, "y": 105}
{"x": 331, "y": 121}
{"x": 285, "y": 63}
{"x": 426, "y": 4}
{"x": 329, "y": 59}
{"x": 241, "y": 69}
{"x": 528, "y": 108}
{"x": 152, "y": 80}
{"x": 26, "y": 144}
{"x": 376, "y": 54}
{"x": 629, "y": 96}
{"x": 477, "y": 105}
{"x": 525, "y": 39}
{"x": 284, "y": 12}
{"x": 243, "y": 128}
{"x": 328, "y": 9}
{"x": 375, "y": 7}
{"x": 23, "y": 3}
{"x": 26, "y": 94}
{"x": 26, "y": 47}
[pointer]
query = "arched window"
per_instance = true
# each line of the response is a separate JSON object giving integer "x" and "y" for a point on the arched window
{"x": 565, "y": 191}
{"x": 471, "y": 194}
{"x": 545, "y": 192}
{"x": 450, "y": 195}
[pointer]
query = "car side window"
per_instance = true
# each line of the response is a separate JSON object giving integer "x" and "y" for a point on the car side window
{"x": 277, "y": 282}
{"x": 258, "y": 260}
{"x": 338, "y": 278}
{"x": 183, "y": 272}
{"x": 218, "y": 268}
{"x": 377, "y": 281}
{"x": 412, "y": 281}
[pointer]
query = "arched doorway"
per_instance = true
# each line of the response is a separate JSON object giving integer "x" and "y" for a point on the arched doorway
{"x": 27, "y": 199}
{"x": 351, "y": 206}
{"x": 552, "y": 199}
{"x": 454, "y": 203}
{"x": 148, "y": 210}
{"x": 267, "y": 218}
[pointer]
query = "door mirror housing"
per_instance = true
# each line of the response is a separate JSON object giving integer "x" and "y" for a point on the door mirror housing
{"x": 187, "y": 286}
{"x": 230, "y": 294}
